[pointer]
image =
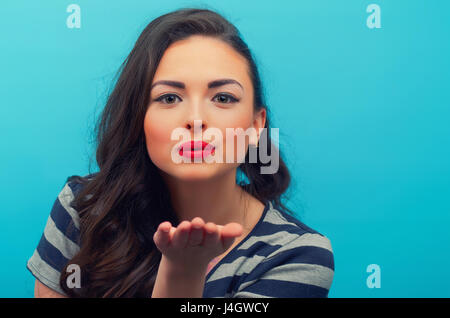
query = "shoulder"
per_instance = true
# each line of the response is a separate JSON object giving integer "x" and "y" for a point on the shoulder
{"x": 60, "y": 239}
{"x": 63, "y": 213}
{"x": 285, "y": 232}
{"x": 293, "y": 256}
{"x": 75, "y": 183}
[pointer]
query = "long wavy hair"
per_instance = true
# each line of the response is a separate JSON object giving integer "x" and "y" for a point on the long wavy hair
{"x": 121, "y": 205}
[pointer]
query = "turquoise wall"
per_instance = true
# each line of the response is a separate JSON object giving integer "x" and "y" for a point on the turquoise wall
{"x": 363, "y": 112}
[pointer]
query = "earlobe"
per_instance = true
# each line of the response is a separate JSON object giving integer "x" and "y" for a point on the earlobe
{"x": 254, "y": 138}
{"x": 258, "y": 125}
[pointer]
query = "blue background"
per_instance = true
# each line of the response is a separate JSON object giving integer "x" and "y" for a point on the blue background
{"x": 363, "y": 117}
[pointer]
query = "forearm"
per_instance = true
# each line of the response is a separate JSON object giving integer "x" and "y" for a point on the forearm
{"x": 173, "y": 282}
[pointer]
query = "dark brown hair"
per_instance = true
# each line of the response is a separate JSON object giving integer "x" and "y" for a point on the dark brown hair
{"x": 121, "y": 205}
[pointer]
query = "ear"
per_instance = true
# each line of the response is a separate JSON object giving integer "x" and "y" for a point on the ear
{"x": 259, "y": 122}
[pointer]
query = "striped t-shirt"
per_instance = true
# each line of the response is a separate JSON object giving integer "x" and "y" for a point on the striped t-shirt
{"x": 280, "y": 257}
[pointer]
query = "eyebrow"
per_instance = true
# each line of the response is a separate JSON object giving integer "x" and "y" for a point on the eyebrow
{"x": 213, "y": 84}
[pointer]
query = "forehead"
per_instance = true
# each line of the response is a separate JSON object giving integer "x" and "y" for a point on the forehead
{"x": 202, "y": 58}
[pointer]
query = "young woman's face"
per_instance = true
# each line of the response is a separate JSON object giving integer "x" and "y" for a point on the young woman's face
{"x": 195, "y": 62}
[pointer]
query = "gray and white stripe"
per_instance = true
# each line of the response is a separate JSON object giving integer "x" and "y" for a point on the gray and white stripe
{"x": 65, "y": 198}
{"x": 60, "y": 241}
{"x": 44, "y": 272}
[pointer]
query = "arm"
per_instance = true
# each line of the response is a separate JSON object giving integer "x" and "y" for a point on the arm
{"x": 56, "y": 246}
{"x": 173, "y": 282}
{"x": 42, "y": 291}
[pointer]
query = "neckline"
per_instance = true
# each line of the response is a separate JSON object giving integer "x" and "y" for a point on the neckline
{"x": 263, "y": 215}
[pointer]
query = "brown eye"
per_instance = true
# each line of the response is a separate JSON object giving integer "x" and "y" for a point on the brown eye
{"x": 224, "y": 97}
{"x": 167, "y": 97}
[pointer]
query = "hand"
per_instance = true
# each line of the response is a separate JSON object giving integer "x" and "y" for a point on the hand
{"x": 192, "y": 245}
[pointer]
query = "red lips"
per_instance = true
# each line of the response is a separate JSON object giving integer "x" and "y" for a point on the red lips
{"x": 194, "y": 145}
{"x": 196, "y": 149}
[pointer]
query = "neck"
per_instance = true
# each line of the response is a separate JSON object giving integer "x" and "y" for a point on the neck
{"x": 219, "y": 200}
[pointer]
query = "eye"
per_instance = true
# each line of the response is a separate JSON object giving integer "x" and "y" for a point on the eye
{"x": 163, "y": 97}
{"x": 169, "y": 98}
{"x": 227, "y": 96}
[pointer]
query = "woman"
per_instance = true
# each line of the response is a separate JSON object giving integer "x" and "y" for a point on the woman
{"x": 146, "y": 225}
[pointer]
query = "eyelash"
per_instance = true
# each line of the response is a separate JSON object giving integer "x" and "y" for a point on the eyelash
{"x": 233, "y": 99}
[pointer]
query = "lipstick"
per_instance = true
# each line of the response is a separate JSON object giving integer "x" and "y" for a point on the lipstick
{"x": 196, "y": 149}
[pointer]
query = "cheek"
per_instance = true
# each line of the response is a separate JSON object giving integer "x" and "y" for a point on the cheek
{"x": 157, "y": 138}
{"x": 234, "y": 150}
{"x": 241, "y": 118}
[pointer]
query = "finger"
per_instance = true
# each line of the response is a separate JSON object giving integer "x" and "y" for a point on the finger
{"x": 162, "y": 235}
{"x": 232, "y": 229}
{"x": 196, "y": 235}
{"x": 229, "y": 233}
{"x": 171, "y": 233}
{"x": 181, "y": 235}
{"x": 212, "y": 235}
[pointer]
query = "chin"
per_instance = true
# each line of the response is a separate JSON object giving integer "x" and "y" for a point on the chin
{"x": 193, "y": 172}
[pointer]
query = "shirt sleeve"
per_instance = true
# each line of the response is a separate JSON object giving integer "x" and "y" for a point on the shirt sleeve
{"x": 300, "y": 270}
{"x": 58, "y": 243}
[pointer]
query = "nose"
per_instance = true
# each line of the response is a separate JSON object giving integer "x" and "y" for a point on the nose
{"x": 197, "y": 127}
{"x": 195, "y": 120}
{"x": 196, "y": 124}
